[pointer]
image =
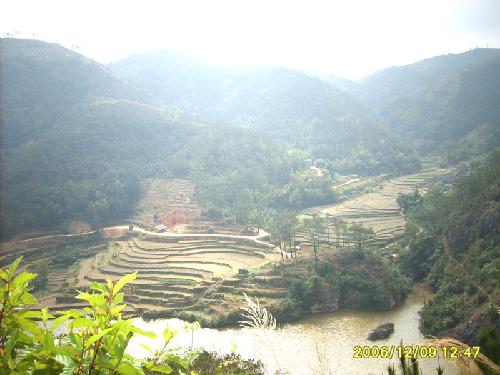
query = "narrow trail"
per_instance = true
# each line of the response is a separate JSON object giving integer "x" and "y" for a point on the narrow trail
{"x": 257, "y": 238}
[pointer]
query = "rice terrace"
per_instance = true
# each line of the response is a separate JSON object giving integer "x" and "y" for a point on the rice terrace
{"x": 187, "y": 272}
{"x": 377, "y": 209}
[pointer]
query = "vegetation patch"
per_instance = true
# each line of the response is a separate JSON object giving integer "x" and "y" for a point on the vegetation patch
{"x": 452, "y": 243}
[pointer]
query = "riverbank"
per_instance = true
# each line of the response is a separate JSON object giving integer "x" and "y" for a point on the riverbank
{"x": 352, "y": 279}
{"x": 296, "y": 347}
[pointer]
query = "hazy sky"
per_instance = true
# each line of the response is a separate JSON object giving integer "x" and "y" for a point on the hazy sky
{"x": 350, "y": 38}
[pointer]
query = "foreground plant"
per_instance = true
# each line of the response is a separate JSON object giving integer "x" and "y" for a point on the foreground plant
{"x": 93, "y": 341}
{"x": 410, "y": 366}
{"x": 256, "y": 316}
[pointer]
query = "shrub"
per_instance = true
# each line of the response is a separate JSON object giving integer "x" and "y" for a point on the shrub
{"x": 96, "y": 340}
{"x": 41, "y": 268}
{"x": 243, "y": 271}
{"x": 214, "y": 364}
{"x": 489, "y": 339}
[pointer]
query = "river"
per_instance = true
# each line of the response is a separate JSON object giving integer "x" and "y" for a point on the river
{"x": 297, "y": 347}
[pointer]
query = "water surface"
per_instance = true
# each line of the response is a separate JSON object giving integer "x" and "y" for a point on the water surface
{"x": 301, "y": 347}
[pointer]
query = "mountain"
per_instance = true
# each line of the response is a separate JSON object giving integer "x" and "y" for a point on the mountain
{"x": 346, "y": 85}
{"x": 451, "y": 107}
{"x": 77, "y": 142}
{"x": 173, "y": 78}
{"x": 383, "y": 87}
{"x": 286, "y": 105}
{"x": 37, "y": 76}
{"x": 253, "y": 98}
{"x": 67, "y": 126}
{"x": 437, "y": 101}
{"x": 78, "y": 138}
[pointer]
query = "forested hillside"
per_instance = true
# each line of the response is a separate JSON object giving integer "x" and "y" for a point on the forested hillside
{"x": 383, "y": 87}
{"x": 448, "y": 101}
{"x": 76, "y": 146}
{"x": 453, "y": 238}
{"x": 287, "y": 105}
{"x": 43, "y": 82}
{"x": 78, "y": 138}
{"x": 441, "y": 101}
{"x": 451, "y": 107}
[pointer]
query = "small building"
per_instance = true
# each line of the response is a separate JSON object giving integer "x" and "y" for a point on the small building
{"x": 160, "y": 228}
{"x": 299, "y": 246}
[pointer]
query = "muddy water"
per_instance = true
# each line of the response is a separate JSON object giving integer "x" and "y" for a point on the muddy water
{"x": 297, "y": 347}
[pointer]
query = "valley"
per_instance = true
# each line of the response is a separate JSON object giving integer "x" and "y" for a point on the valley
{"x": 190, "y": 273}
{"x": 157, "y": 189}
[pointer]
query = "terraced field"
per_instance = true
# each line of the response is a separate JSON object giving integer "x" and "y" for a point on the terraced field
{"x": 60, "y": 252}
{"x": 379, "y": 209}
{"x": 195, "y": 276}
{"x": 175, "y": 272}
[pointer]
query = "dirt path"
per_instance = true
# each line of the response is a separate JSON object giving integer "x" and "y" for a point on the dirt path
{"x": 257, "y": 238}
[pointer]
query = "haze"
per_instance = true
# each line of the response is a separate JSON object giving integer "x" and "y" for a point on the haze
{"x": 346, "y": 38}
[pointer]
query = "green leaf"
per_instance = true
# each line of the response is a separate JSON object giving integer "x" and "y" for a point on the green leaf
{"x": 66, "y": 350}
{"x": 23, "y": 279}
{"x": 56, "y": 323}
{"x": 147, "y": 348}
{"x": 116, "y": 310}
{"x": 118, "y": 298}
{"x": 30, "y": 314}
{"x": 122, "y": 344}
{"x": 141, "y": 332}
{"x": 123, "y": 281}
{"x": 72, "y": 313}
{"x": 69, "y": 368}
{"x": 93, "y": 299}
{"x": 97, "y": 286}
{"x": 164, "y": 369}
{"x": 127, "y": 368}
{"x": 82, "y": 322}
{"x": 3, "y": 275}
{"x": 124, "y": 325}
{"x": 184, "y": 362}
{"x": 11, "y": 343}
{"x": 106, "y": 362}
{"x": 45, "y": 315}
{"x": 96, "y": 337}
{"x": 75, "y": 339}
{"x": 168, "y": 334}
{"x": 48, "y": 341}
{"x": 13, "y": 267}
{"x": 28, "y": 325}
{"x": 27, "y": 299}
{"x": 83, "y": 295}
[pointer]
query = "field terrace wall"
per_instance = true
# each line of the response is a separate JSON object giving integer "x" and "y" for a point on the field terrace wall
{"x": 62, "y": 253}
{"x": 379, "y": 209}
{"x": 174, "y": 273}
